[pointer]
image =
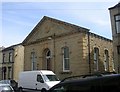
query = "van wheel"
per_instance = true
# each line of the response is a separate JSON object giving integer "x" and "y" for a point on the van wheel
{"x": 43, "y": 90}
{"x": 20, "y": 89}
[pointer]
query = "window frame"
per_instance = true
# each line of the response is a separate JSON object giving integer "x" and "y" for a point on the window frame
{"x": 117, "y": 21}
{"x": 106, "y": 60}
{"x": 10, "y": 72}
{"x": 4, "y": 58}
{"x": 10, "y": 57}
{"x": 96, "y": 58}
{"x": 33, "y": 61}
{"x": 66, "y": 59}
{"x": 118, "y": 49}
{"x": 48, "y": 59}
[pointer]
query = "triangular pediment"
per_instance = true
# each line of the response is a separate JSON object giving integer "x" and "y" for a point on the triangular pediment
{"x": 48, "y": 27}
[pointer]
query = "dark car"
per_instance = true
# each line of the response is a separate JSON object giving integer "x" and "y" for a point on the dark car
{"x": 12, "y": 83}
{"x": 89, "y": 83}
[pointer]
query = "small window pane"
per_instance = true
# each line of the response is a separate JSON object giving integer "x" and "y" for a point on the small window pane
{"x": 10, "y": 57}
{"x": 33, "y": 60}
{"x": 118, "y": 27}
{"x": 117, "y": 23}
{"x": 106, "y": 55}
{"x": 66, "y": 58}
{"x": 96, "y": 58}
{"x": 66, "y": 52}
{"x": 117, "y": 17}
{"x": 118, "y": 49}
{"x": 66, "y": 64}
{"x": 96, "y": 54}
{"x": 3, "y": 58}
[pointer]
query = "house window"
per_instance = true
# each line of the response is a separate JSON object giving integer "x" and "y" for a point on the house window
{"x": 33, "y": 60}
{"x": 10, "y": 57}
{"x": 106, "y": 60}
{"x": 96, "y": 58}
{"x": 4, "y": 70}
{"x": 117, "y": 23}
{"x": 9, "y": 73}
{"x": 118, "y": 49}
{"x": 66, "y": 65}
{"x": 3, "y": 58}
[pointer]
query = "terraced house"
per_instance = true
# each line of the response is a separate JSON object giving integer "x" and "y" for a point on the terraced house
{"x": 66, "y": 49}
{"x": 12, "y": 61}
{"x": 1, "y": 57}
{"x": 115, "y": 24}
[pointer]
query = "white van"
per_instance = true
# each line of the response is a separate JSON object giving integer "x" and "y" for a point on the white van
{"x": 40, "y": 80}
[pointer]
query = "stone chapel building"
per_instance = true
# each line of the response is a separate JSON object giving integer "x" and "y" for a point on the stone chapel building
{"x": 66, "y": 49}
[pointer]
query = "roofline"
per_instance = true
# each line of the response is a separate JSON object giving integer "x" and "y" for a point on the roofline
{"x": 99, "y": 36}
{"x": 33, "y": 30}
{"x": 116, "y": 6}
{"x": 66, "y": 23}
{"x": 10, "y": 47}
{"x": 78, "y": 28}
{"x": 55, "y": 20}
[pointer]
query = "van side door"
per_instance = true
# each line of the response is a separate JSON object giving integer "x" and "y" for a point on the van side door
{"x": 40, "y": 82}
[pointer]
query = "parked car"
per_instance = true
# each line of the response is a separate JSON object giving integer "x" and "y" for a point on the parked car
{"x": 12, "y": 83}
{"x": 89, "y": 83}
{"x": 6, "y": 88}
{"x": 39, "y": 80}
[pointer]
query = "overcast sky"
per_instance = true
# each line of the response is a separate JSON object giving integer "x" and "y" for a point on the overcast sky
{"x": 19, "y": 18}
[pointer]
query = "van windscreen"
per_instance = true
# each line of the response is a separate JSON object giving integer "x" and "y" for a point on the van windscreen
{"x": 51, "y": 78}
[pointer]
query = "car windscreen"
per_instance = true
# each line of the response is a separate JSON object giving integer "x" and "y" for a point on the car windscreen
{"x": 51, "y": 78}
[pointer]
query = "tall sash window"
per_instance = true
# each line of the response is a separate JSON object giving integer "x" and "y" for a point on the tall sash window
{"x": 66, "y": 59}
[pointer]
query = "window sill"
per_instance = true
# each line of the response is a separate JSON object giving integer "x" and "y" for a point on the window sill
{"x": 66, "y": 72}
{"x": 7, "y": 62}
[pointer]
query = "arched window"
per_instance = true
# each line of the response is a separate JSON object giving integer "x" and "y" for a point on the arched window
{"x": 48, "y": 60}
{"x": 66, "y": 63}
{"x": 96, "y": 58}
{"x": 46, "y": 63}
{"x": 106, "y": 60}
